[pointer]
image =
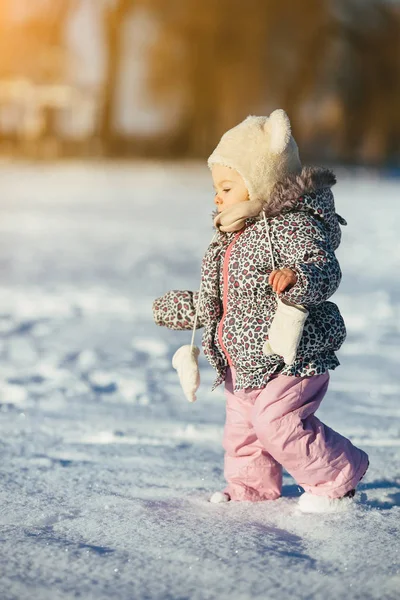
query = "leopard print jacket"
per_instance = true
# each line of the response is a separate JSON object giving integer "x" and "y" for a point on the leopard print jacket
{"x": 237, "y": 304}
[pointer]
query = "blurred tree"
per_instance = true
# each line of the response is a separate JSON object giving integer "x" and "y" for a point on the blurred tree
{"x": 214, "y": 53}
{"x": 115, "y": 13}
{"x": 368, "y": 80}
{"x": 231, "y": 59}
{"x": 334, "y": 66}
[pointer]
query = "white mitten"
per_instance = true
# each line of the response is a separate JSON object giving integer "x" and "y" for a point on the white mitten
{"x": 185, "y": 361}
{"x": 286, "y": 330}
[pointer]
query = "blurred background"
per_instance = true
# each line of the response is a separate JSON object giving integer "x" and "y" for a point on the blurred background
{"x": 165, "y": 78}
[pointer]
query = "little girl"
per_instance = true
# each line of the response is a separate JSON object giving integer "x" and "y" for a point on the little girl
{"x": 277, "y": 232}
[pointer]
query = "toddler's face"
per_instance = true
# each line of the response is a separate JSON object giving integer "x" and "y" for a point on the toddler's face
{"x": 229, "y": 187}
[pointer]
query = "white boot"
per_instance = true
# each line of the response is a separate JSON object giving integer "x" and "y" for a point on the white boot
{"x": 218, "y": 497}
{"x": 309, "y": 503}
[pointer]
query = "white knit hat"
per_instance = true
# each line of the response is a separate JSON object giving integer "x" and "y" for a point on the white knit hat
{"x": 262, "y": 150}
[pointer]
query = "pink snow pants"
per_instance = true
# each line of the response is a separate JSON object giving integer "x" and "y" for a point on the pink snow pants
{"x": 275, "y": 426}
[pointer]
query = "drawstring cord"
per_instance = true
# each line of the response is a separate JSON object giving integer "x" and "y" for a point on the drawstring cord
{"x": 269, "y": 241}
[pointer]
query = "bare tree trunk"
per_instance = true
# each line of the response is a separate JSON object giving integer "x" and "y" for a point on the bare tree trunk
{"x": 114, "y": 19}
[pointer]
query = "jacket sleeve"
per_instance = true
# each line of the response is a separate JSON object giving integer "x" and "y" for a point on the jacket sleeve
{"x": 306, "y": 249}
{"x": 177, "y": 309}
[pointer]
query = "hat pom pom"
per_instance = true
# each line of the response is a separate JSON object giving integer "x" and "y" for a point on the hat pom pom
{"x": 185, "y": 361}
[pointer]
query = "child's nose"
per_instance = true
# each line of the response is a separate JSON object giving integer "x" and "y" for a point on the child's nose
{"x": 217, "y": 200}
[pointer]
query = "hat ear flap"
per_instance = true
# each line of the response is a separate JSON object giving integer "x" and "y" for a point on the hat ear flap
{"x": 278, "y": 127}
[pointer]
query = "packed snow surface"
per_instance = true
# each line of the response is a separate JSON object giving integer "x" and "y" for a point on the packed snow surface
{"x": 106, "y": 469}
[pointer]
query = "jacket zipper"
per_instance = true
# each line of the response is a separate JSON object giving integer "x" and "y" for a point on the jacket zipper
{"x": 225, "y": 295}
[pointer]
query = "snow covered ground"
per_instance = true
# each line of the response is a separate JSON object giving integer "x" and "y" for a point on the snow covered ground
{"x": 105, "y": 467}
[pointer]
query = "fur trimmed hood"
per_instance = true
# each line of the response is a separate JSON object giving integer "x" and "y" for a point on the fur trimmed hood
{"x": 310, "y": 192}
{"x": 286, "y": 193}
